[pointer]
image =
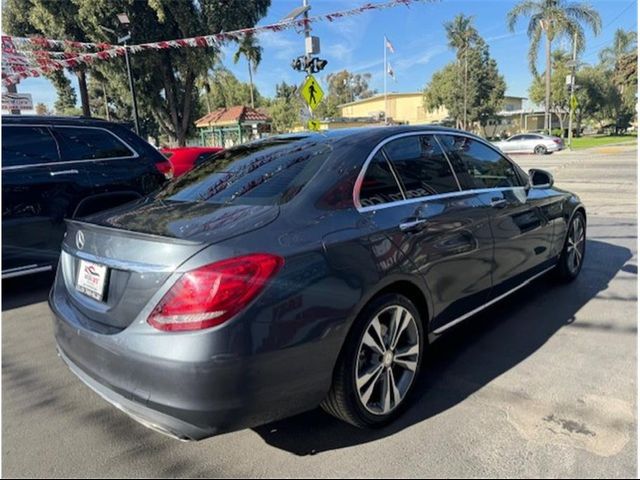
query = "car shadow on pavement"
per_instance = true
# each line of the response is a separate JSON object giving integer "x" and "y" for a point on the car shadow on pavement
{"x": 22, "y": 291}
{"x": 469, "y": 356}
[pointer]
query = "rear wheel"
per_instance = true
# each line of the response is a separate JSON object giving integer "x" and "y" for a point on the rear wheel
{"x": 379, "y": 364}
{"x": 573, "y": 252}
{"x": 540, "y": 150}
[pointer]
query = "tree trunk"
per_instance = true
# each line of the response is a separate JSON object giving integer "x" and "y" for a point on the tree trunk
{"x": 547, "y": 99}
{"x": 251, "y": 84}
{"x": 466, "y": 85}
{"x": 84, "y": 94}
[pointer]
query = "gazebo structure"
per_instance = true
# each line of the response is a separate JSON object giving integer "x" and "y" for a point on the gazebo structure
{"x": 226, "y": 127}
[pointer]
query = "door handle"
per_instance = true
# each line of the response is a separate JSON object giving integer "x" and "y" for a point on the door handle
{"x": 498, "y": 202}
{"x": 64, "y": 172}
{"x": 413, "y": 225}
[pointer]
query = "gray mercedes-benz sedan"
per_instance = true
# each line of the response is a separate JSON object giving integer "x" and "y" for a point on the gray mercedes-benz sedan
{"x": 302, "y": 270}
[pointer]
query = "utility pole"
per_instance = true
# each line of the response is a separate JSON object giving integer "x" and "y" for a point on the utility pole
{"x": 573, "y": 87}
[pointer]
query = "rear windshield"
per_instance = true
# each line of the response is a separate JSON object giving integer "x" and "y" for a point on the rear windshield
{"x": 265, "y": 172}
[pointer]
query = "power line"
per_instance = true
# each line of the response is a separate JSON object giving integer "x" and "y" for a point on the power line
{"x": 600, "y": 45}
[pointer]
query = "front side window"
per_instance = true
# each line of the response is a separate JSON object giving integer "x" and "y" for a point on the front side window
{"x": 421, "y": 165}
{"x": 379, "y": 185}
{"x": 78, "y": 143}
{"x": 264, "y": 172}
{"x": 478, "y": 166}
{"x": 27, "y": 146}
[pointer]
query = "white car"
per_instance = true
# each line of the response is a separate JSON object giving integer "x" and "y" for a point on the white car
{"x": 531, "y": 143}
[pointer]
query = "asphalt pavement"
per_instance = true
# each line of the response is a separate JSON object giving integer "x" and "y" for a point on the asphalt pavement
{"x": 542, "y": 384}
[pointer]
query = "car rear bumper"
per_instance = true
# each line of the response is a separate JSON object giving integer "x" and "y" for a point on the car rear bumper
{"x": 148, "y": 417}
{"x": 189, "y": 396}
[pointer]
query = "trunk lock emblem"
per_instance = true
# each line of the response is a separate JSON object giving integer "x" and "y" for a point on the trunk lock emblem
{"x": 80, "y": 240}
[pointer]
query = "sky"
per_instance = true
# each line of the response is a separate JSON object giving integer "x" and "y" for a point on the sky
{"x": 417, "y": 34}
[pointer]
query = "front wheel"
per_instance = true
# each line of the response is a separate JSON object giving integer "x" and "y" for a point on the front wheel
{"x": 572, "y": 257}
{"x": 540, "y": 150}
{"x": 379, "y": 364}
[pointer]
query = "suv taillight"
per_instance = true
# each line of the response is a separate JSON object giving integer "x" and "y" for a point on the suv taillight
{"x": 165, "y": 168}
{"x": 210, "y": 295}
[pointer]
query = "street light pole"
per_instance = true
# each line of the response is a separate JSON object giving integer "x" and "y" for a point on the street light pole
{"x": 134, "y": 102}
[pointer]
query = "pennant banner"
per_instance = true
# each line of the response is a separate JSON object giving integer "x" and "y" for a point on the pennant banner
{"x": 31, "y": 57}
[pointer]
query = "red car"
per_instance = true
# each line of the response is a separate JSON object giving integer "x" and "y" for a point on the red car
{"x": 183, "y": 159}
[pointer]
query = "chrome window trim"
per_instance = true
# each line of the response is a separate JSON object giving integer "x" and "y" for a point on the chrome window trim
{"x": 52, "y": 128}
{"x": 428, "y": 198}
{"x": 435, "y": 133}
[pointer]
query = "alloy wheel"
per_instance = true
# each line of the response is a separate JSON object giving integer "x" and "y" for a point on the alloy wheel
{"x": 575, "y": 244}
{"x": 387, "y": 360}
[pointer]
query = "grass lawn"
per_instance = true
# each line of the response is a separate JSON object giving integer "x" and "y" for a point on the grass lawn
{"x": 599, "y": 141}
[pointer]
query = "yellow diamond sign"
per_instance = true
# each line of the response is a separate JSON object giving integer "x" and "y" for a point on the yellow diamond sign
{"x": 311, "y": 92}
{"x": 314, "y": 125}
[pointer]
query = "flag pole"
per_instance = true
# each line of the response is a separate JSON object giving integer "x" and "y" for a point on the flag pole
{"x": 384, "y": 74}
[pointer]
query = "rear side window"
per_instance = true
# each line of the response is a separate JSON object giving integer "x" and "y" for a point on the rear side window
{"x": 77, "y": 143}
{"x": 421, "y": 165}
{"x": 27, "y": 146}
{"x": 379, "y": 185}
{"x": 265, "y": 172}
{"x": 476, "y": 165}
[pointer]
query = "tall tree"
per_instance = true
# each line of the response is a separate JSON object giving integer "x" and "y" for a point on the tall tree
{"x": 461, "y": 35}
{"x": 165, "y": 80}
{"x": 343, "y": 87}
{"x": 486, "y": 88}
{"x": 51, "y": 19}
{"x": 65, "y": 104}
{"x": 553, "y": 19}
{"x": 225, "y": 90}
{"x": 249, "y": 48}
{"x": 560, "y": 97}
{"x": 623, "y": 44}
{"x": 286, "y": 107}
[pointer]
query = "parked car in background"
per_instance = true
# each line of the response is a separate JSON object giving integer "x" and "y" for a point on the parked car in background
{"x": 302, "y": 270}
{"x": 184, "y": 159}
{"x": 59, "y": 167}
{"x": 531, "y": 143}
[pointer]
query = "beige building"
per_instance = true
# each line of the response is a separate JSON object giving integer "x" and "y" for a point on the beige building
{"x": 408, "y": 108}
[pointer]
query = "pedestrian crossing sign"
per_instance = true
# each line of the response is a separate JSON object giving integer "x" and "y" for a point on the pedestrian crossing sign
{"x": 312, "y": 92}
{"x": 314, "y": 125}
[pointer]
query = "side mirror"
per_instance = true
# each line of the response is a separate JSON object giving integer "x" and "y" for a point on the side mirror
{"x": 540, "y": 178}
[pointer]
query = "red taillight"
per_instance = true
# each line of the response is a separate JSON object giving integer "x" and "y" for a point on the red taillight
{"x": 165, "y": 168}
{"x": 210, "y": 295}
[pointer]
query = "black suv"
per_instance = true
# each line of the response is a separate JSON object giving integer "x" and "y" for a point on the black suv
{"x": 55, "y": 168}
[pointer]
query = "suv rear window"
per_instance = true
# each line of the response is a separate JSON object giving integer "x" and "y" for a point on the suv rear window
{"x": 264, "y": 172}
{"x": 81, "y": 143}
{"x": 28, "y": 145}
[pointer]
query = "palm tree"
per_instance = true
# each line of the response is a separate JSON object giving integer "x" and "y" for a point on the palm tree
{"x": 461, "y": 34}
{"x": 553, "y": 19}
{"x": 253, "y": 53}
{"x": 623, "y": 44}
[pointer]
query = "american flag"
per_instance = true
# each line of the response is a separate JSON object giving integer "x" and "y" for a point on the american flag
{"x": 389, "y": 46}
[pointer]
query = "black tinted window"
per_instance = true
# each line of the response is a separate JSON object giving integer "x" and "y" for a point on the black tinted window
{"x": 263, "y": 172}
{"x": 379, "y": 185}
{"x": 421, "y": 165}
{"x": 89, "y": 143}
{"x": 477, "y": 165}
{"x": 27, "y": 146}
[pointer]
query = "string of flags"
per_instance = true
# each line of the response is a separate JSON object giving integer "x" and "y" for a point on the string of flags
{"x": 24, "y": 57}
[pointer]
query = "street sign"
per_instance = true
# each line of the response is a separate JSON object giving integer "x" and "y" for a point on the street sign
{"x": 17, "y": 101}
{"x": 314, "y": 125}
{"x": 574, "y": 103}
{"x": 311, "y": 92}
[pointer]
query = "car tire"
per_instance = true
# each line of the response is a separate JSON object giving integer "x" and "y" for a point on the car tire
{"x": 540, "y": 150}
{"x": 573, "y": 250}
{"x": 379, "y": 400}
